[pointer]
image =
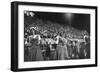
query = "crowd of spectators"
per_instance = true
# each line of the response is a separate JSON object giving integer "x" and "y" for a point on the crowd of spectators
{"x": 77, "y": 44}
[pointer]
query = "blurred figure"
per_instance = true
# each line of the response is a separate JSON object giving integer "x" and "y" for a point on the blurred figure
{"x": 35, "y": 52}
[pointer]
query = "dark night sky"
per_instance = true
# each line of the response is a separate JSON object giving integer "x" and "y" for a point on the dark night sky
{"x": 79, "y": 21}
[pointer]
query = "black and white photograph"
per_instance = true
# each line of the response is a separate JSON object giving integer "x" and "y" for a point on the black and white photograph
{"x": 56, "y": 36}
{"x": 53, "y": 36}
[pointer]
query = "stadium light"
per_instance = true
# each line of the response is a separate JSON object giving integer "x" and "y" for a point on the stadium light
{"x": 69, "y": 16}
{"x": 32, "y": 14}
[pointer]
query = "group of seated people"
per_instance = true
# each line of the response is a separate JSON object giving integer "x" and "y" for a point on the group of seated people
{"x": 41, "y": 46}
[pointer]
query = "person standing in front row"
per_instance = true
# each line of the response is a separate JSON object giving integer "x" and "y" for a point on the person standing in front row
{"x": 35, "y": 51}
